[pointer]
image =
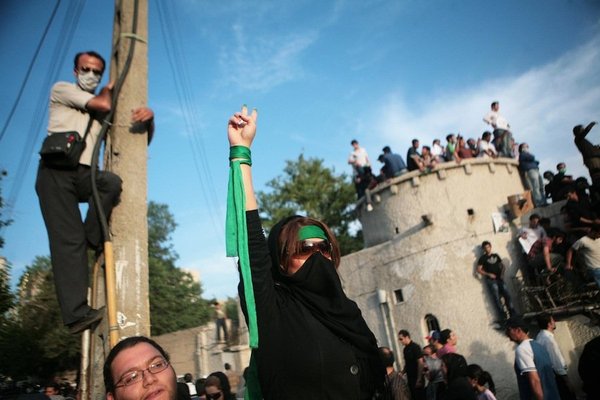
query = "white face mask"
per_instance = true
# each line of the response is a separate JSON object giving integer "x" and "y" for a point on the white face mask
{"x": 88, "y": 81}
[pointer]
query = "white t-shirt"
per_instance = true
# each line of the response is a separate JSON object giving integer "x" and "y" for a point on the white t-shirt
{"x": 485, "y": 146}
{"x": 590, "y": 249}
{"x": 496, "y": 120}
{"x": 524, "y": 357}
{"x": 359, "y": 157}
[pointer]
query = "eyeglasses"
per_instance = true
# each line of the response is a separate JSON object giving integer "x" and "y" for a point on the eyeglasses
{"x": 214, "y": 396}
{"x": 308, "y": 248}
{"x": 131, "y": 377}
{"x": 88, "y": 69}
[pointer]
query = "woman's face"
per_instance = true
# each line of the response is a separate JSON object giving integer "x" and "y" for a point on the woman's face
{"x": 309, "y": 247}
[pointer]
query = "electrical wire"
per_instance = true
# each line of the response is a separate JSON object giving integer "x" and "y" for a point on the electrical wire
{"x": 173, "y": 42}
{"x": 67, "y": 29}
{"x": 28, "y": 73}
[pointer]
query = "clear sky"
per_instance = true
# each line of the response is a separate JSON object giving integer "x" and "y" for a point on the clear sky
{"x": 320, "y": 73}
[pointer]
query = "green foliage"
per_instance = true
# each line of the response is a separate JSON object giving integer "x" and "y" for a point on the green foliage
{"x": 34, "y": 338}
{"x": 6, "y": 296}
{"x": 309, "y": 188}
{"x": 175, "y": 298}
{"x": 3, "y": 222}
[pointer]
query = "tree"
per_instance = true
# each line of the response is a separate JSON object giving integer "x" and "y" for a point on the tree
{"x": 309, "y": 188}
{"x": 175, "y": 298}
{"x": 6, "y": 297}
{"x": 35, "y": 339}
{"x": 3, "y": 222}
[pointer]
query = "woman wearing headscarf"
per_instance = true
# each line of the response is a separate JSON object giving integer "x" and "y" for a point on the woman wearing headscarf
{"x": 458, "y": 386}
{"x": 313, "y": 342}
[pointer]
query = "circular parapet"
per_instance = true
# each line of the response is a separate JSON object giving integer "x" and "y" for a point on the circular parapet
{"x": 452, "y": 196}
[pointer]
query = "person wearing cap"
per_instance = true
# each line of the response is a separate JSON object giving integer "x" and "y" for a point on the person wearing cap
{"x": 313, "y": 341}
{"x": 533, "y": 367}
{"x": 434, "y": 339}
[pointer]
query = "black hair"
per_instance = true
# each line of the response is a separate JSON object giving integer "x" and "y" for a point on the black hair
{"x": 354, "y": 141}
{"x": 485, "y": 243}
{"x": 404, "y": 333}
{"x": 183, "y": 391}
{"x": 225, "y": 386}
{"x": 482, "y": 377}
{"x": 415, "y": 141}
{"x": 494, "y": 103}
{"x": 387, "y": 356}
{"x": 516, "y": 322}
{"x": 448, "y": 136}
{"x": 521, "y": 147}
{"x": 387, "y": 149}
{"x": 91, "y": 54}
{"x": 456, "y": 365}
{"x": 445, "y": 335}
{"x": 486, "y": 134}
{"x": 109, "y": 383}
{"x": 543, "y": 320}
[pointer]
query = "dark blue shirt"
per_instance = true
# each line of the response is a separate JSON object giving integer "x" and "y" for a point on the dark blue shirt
{"x": 393, "y": 163}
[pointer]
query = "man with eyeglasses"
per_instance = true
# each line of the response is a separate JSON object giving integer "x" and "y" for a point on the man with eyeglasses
{"x": 138, "y": 368}
{"x": 75, "y": 107}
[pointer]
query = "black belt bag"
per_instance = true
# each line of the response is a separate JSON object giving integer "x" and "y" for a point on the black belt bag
{"x": 63, "y": 149}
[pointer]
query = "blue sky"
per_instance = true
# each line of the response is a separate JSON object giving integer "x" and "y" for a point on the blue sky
{"x": 320, "y": 73}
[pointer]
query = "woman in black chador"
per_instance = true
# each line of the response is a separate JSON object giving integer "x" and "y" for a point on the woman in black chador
{"x": 313, "y": 342}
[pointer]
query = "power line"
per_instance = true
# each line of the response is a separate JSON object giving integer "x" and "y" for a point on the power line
{"x": 178, "y": 64}
{"x": 22, "y": 88}
{"x": 67, "y": 30}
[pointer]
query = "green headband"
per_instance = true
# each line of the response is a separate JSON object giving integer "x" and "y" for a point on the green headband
{"x": 311, "y": 232}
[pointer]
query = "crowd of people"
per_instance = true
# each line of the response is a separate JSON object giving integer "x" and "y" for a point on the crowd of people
{"x": 498, "y": 142}
{"x": 218, "y": 385}
{"x": 439, "y": 371}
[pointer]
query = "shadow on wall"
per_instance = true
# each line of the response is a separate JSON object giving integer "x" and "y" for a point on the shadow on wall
{"x": 499, "y": 366}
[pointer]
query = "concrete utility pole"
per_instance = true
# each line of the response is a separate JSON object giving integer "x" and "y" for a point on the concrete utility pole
{"x": 126, "y": 155}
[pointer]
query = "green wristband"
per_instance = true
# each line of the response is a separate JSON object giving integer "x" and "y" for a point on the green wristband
{"x": 241, "y": 154}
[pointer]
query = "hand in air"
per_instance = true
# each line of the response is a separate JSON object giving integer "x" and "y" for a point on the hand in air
{"x": 241, "y": 128}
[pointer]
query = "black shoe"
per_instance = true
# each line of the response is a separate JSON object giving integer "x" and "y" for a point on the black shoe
{"x": 91, "y": 320}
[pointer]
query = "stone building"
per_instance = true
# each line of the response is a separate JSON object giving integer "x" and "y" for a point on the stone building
{"x": 418, "y": 268}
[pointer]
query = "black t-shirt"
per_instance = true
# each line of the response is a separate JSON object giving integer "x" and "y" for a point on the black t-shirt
{"x": 491, "y": 264}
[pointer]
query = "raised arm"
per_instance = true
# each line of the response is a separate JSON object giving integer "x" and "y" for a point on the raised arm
{"x": 103, "y": 101}
{"x": 241, "y": 130}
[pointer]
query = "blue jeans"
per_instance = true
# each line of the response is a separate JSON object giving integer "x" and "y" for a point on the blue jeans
{"x": 498, "y": 290}
{"x": 595, "y": 272}
{"x": 534, "y": 182}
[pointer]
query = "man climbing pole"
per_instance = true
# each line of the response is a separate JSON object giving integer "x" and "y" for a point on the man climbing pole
{"x": 60, "y": 189}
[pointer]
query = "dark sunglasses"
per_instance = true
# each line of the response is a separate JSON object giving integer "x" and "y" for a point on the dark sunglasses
{"x": 88, "y": 69}
{"x": 308, "y": 248}
{"x": 214, "y": 396}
